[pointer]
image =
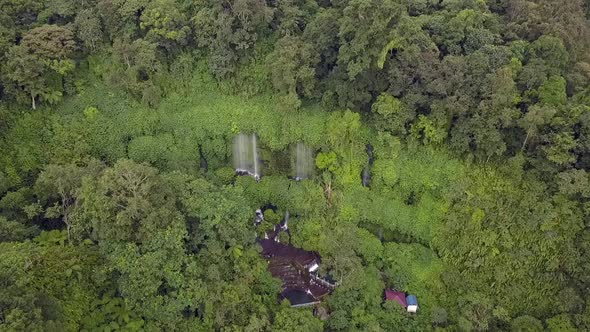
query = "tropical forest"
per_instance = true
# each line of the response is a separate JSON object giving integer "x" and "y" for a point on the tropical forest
{"x": 295, "y": 165}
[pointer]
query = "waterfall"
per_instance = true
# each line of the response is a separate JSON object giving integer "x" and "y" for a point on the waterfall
{"x": 366, "y": 172}
{"x": 303, "y": 162}
{"x": 240, "y": 153}
{"x": 255, "y": 157}
{"x": 246, "y": 155}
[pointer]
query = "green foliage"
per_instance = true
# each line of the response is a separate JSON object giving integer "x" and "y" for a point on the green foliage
{"x": 47, "y": 287}
{"x": 347, "y": 137}
{"x": 229, "y": 34}
{"x": 88, "y": 28}
{"x": 415, "y": 269}
{"x": 360, "y": 48}
{"x": 552, "y": 92}
{"x": 327, "y": 161}
{"x": 27, "y": 137}
{"x": 478, "y": 202}
{"x": 13, "y": 231}
{"x": 51, "y": 238}
{"x": 484, "y": 220}
{"x": 551, "y": 50}
{"x": 154, "y": 150}
{"x": 226, "y": 174}
{"x": 428, "y": 131}
{"x": 58, "y": 188}
{"x": 560, "y": 323}
{"x": 560, "y": 152}
{"x": 165, "y": 23}
{"x": 534, "y": 120}
{"x": 291, "y": 65}
{"x": 300, "y": 320}
{"x": 391, "y": 115}
{"x": 111, "y": 313}
{"x": 40, "y": 62}
{"x": 526, "y": 324}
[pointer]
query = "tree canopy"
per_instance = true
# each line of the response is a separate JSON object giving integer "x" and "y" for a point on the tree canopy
{"x": 449, "y": 143}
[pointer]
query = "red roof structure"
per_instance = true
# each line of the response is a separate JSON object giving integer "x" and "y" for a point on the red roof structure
{"x": 399, "y": 297}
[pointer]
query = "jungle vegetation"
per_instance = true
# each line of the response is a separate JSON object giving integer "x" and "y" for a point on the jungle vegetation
{"x": 120, "y": 211}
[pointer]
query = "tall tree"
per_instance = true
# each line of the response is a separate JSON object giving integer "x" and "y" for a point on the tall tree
{"x": 88, "y": 28}
{"x": 59, "y": 186}
{"x": 38, "y": 65}
{"x": 291, "y": 66}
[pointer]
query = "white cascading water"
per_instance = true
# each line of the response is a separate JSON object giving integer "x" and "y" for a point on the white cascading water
{"x": 255, "y": 156}
{"x": 303, "y": 162}
{"x": 246, "y": 155}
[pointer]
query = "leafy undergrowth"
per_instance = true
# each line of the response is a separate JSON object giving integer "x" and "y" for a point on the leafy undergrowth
{"x": 414, "y": 229}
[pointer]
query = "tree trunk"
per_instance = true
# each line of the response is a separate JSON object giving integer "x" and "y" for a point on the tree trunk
{"x": 528, "y": 132}
{"x": 328, "y": 193}
{"x": 33, "y": 101}
{"x": 68, "y": 227}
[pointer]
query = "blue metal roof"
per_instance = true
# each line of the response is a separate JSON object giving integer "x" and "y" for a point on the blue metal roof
{"x": 411, "y": 300}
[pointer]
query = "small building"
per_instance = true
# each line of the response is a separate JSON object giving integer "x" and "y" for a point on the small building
{"x": 412, "y": 303}
{"x": 399, "y": 297}
{"x": 297, "y": 268}
{"x": 409, "y": 302}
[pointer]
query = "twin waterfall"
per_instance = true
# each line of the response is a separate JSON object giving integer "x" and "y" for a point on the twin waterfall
{"x": 246, "y": 155}
{"x": 247, "y": 160}
{"x": 303, "y": 162}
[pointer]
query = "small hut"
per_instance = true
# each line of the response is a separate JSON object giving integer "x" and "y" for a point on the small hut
{"x": 408, "y": 302}
{"x": 412, "y": 302}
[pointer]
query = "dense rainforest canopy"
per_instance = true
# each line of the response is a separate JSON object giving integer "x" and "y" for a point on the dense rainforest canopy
{"x": 120, "y": 209}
